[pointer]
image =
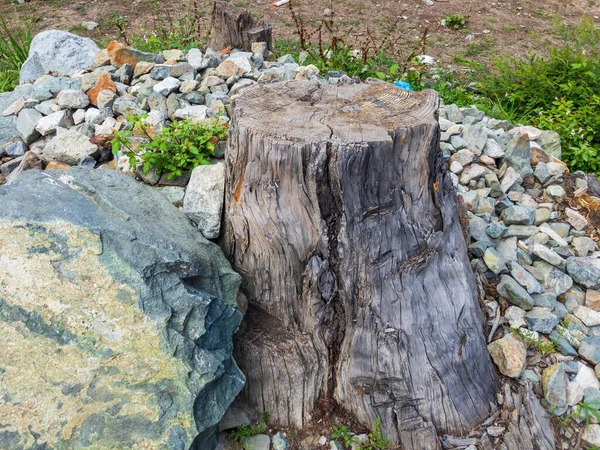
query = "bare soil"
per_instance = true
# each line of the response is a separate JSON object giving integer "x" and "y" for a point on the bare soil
{"x": 497, "y": 27}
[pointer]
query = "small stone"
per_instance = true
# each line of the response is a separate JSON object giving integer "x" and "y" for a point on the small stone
{"x": 521, "y": 231}
{"x": 496, "y": 230}
{"x": 553, "y": 279}
{"x": 495, "y": 431}
{"x": 554, "y": 193}
{"x": 166, "y": 86}
{"x": 525, "y": 279}
{"x": 547, "y": 229}
{"x": 14, "y": 108}
{"x": 464, "y": 157}
{"x": 456, "y": 167}
{"x": 279, "y": 442}
{"x": 257, "y": 442}
{"x": 509, "y": 354}
{"x": 554, "y": 385}
{"x": 518, "y": 155}
{"x": 72, "y": 98}
{"x": 541, "y": 172}
{"x": 588, "y": 316}
{"x": 127, "y": 106}
{"x": 515, "y": 317}
{"x": 586, "y": 377}
{"x": 203, "y": 201}
{"x": 493, "y": 149}
{"x": 518, "y": 215}
{"x": 26, "y": 123}
{"x": 541, "y": 320}
{"x": 590, "y": 349}
{"x": 513, "y": 292}
{"x": 48, "y": 125}
{"x": 471, "y": 172}
{"x": 14, "y": 149}
{"x": 582, "y": 246}
{"x": 575, "y": 219}
{"x": 509, "y": 179}
{"x": 188, "y": 86}
{"x": 196, "y": 112}
{"x": 585, "y": 271}
{"x": 494, "y": 261}
{"x": 591, "y": 435}
{"x": 69, "y": 147}
{"x": 104, "y": 83}
{"x": 322, "y": 440}
{"x": 547, "y": 255}
{"x": 542, "y": 215}
{"x": 574, "y": 393}
{"x": 458, "y": 142}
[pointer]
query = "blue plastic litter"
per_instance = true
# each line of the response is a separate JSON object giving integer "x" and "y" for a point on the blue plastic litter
{"x": 403, "y": 85}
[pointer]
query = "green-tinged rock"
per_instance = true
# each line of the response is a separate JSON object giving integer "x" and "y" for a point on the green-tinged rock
{"x": 585, "y": 271}
{"x": 553, "y": 279}
{"x": 541, "y": 320}
{"x": 590, "y": 349}
{"x": 554, "y": 384}
{"x": 117, "y": 317}
{"x": 518, "y": 155}
{"x": 514, "y": 293}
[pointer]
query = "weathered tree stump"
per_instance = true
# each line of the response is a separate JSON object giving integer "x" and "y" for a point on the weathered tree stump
{"x": 344, "y": 227}
{"x": 235, "y": 27}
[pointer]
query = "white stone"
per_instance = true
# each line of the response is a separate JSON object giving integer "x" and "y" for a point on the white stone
{"x": 15, "y": 107}
{"x": 515, "y": 317}
{"x": 47, "y": 125}
{"x": 574, "y": 393}
{"x": 166, "y": 86}
{"x": 586, "y": 377}
{"x": 471, "y": 172}
{"x": 576, "y": 219}
{"x": 591, "y": 435}
{"x": 78, "y": 116}
{"x": 203, "y": 201}
{"x": 509, "y": 179}
{"x": 545, "y": 228}
{"x": 195, "y": 112}
{"x": 456, "y": 167}
{"x": 194, "y": 58}
{"x": 587, "y": 315}
{"x": 69, "y": 147}
{"x": 493, "y": 149}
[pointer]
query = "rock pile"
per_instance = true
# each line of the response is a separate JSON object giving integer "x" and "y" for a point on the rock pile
{"x": 532, "y": 245}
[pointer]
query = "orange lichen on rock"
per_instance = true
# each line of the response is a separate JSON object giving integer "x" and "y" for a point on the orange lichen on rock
{"x": 104, "y": 83}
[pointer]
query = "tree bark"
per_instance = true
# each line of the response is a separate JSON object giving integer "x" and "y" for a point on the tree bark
{"x": 235, "y": 27}
{"x": 344, "y": 227}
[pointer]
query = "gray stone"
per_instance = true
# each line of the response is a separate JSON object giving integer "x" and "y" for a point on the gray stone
{"x": 258, "y": 442}
{"x": 195, "y": 57}
{"x": 576, "y": 219}
{"x": 541, "y": 172}
{"x": 196, "y": 112}
{"x": 57, "y": 51}
{"x": 525, "y": 279}
{"x": 165, "y": 360}
{"x": 588, "y": 316}
{"x": 518, "y": 215}
{"x": 105, "y": 99}
{"x": 541, "y": 320}
{"x": 585, "y": 271}
{"x": 542, "y": 215}
{"x": 174, "y": 194}
{"x": 476, "y": 137}
{"x": 471, "y": 172}
{"x": 127, "y": 106}
{"x": 590, "y": 349}
{"x": 493, "y": 149}
{"x": 72, "y": 98}
{"x": 553, "y": 279}
{"x": 521, "y": 231}
{"x": 166, "y": 86}
{"x": 518, "y": 155}
{"x": 562, "y": 344}
{"x": 515, "y": 316}
{"x": 279, "y": 442}
{"x": 554, "y": 193}
{"x": 508, "y": 249}
{"x": 494, "y": 261}
{"x": 464, "y": 157}
{"x": 496, "y": 230}
{"x": 544, "y": 300}
{"x": 547, "y": 255}
{"x": 514, "y": 293}
{"x": 550, "y": 142}
{"x": 124, "y": 74}
{"x": 452, "y": 113}
{"x": 48, "y": 125}
{"x": 554, "y": 384}
{"x": 69, "y": 147}
{"x": 509, "y": 179}
{"x": 203, "y": 201}
{"x": 458, "y": 142}
{"x": 238, "y": 86}
{"x": 26, "y": 123}
{"x": 234, "y": 417}
{"x": 582, "y": 246}
{"x": 14, "y": 149}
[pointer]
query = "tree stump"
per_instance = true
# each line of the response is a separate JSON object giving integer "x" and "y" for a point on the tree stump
{"x": 235, "y": 27}
{"x": 344, "y": 227}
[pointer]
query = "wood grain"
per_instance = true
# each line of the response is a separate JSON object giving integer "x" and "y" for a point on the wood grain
{"x": 344, "y": 226}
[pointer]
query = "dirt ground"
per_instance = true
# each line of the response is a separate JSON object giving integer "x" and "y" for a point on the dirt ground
{"x": 496, "y": 27}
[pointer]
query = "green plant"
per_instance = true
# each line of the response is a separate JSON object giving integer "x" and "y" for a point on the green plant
{"x": 333, "y": 46}
{"x": 14, "y": 49}
{"x": 545, "y": 347}
{"x": 375, "y": 440}
{"x": 343, "y": 434}
{"x": 179, "y": 147}
{"x": 246, "y": 431}
{"x": 455, "y": 21}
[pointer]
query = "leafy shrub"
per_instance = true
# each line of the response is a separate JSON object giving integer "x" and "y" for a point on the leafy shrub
{"x": 246, "y": 431}
{"x": 455, "y": 21}
{"x": 14, "y": 49}
{"x": 376, "y": 440}
{"x": 342, "y": 433}
{"x": 560, "y": 92}
{"x": 180, "y": 147}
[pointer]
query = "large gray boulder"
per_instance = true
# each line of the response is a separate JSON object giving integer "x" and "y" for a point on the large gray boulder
{"x": 117, "y": 317}
{"x": 57, "y": 51}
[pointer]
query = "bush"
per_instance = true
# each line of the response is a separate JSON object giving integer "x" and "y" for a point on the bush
{"x": 14, "y": 48}
{"x": 455, "y": 21}
{"x": 180, "y": 147}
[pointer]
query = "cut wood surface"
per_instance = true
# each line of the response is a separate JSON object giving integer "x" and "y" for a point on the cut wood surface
{"x": 344, "y": 227}
{"x": 234, "y": 26}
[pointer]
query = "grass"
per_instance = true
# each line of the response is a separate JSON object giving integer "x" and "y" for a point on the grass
{"x": 14, "y": 49}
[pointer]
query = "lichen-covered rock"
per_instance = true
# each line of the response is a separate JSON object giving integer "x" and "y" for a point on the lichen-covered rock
{"x": 116, "y": 327}
{"x": 509, "y": 354}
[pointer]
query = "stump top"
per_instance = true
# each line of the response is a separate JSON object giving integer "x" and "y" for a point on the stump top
{"x": 311, "y": 111}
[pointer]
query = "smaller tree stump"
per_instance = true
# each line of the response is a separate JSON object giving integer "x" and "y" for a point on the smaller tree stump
{"x": 235, "y": 27}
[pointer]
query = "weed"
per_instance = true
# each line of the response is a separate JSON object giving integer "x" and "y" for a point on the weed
{"x": 14, "y": 49}
{"x": 545, "y": 347}
{"x": 357, "y": 53}
{"x": 80, "y": 9}
{"x": 180, "y": 147}
{"x": 246, "y": 431}
{"x": 455, "y": 21}
{"x": 376, "y": 440}
{"x": 342, "y": 433}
